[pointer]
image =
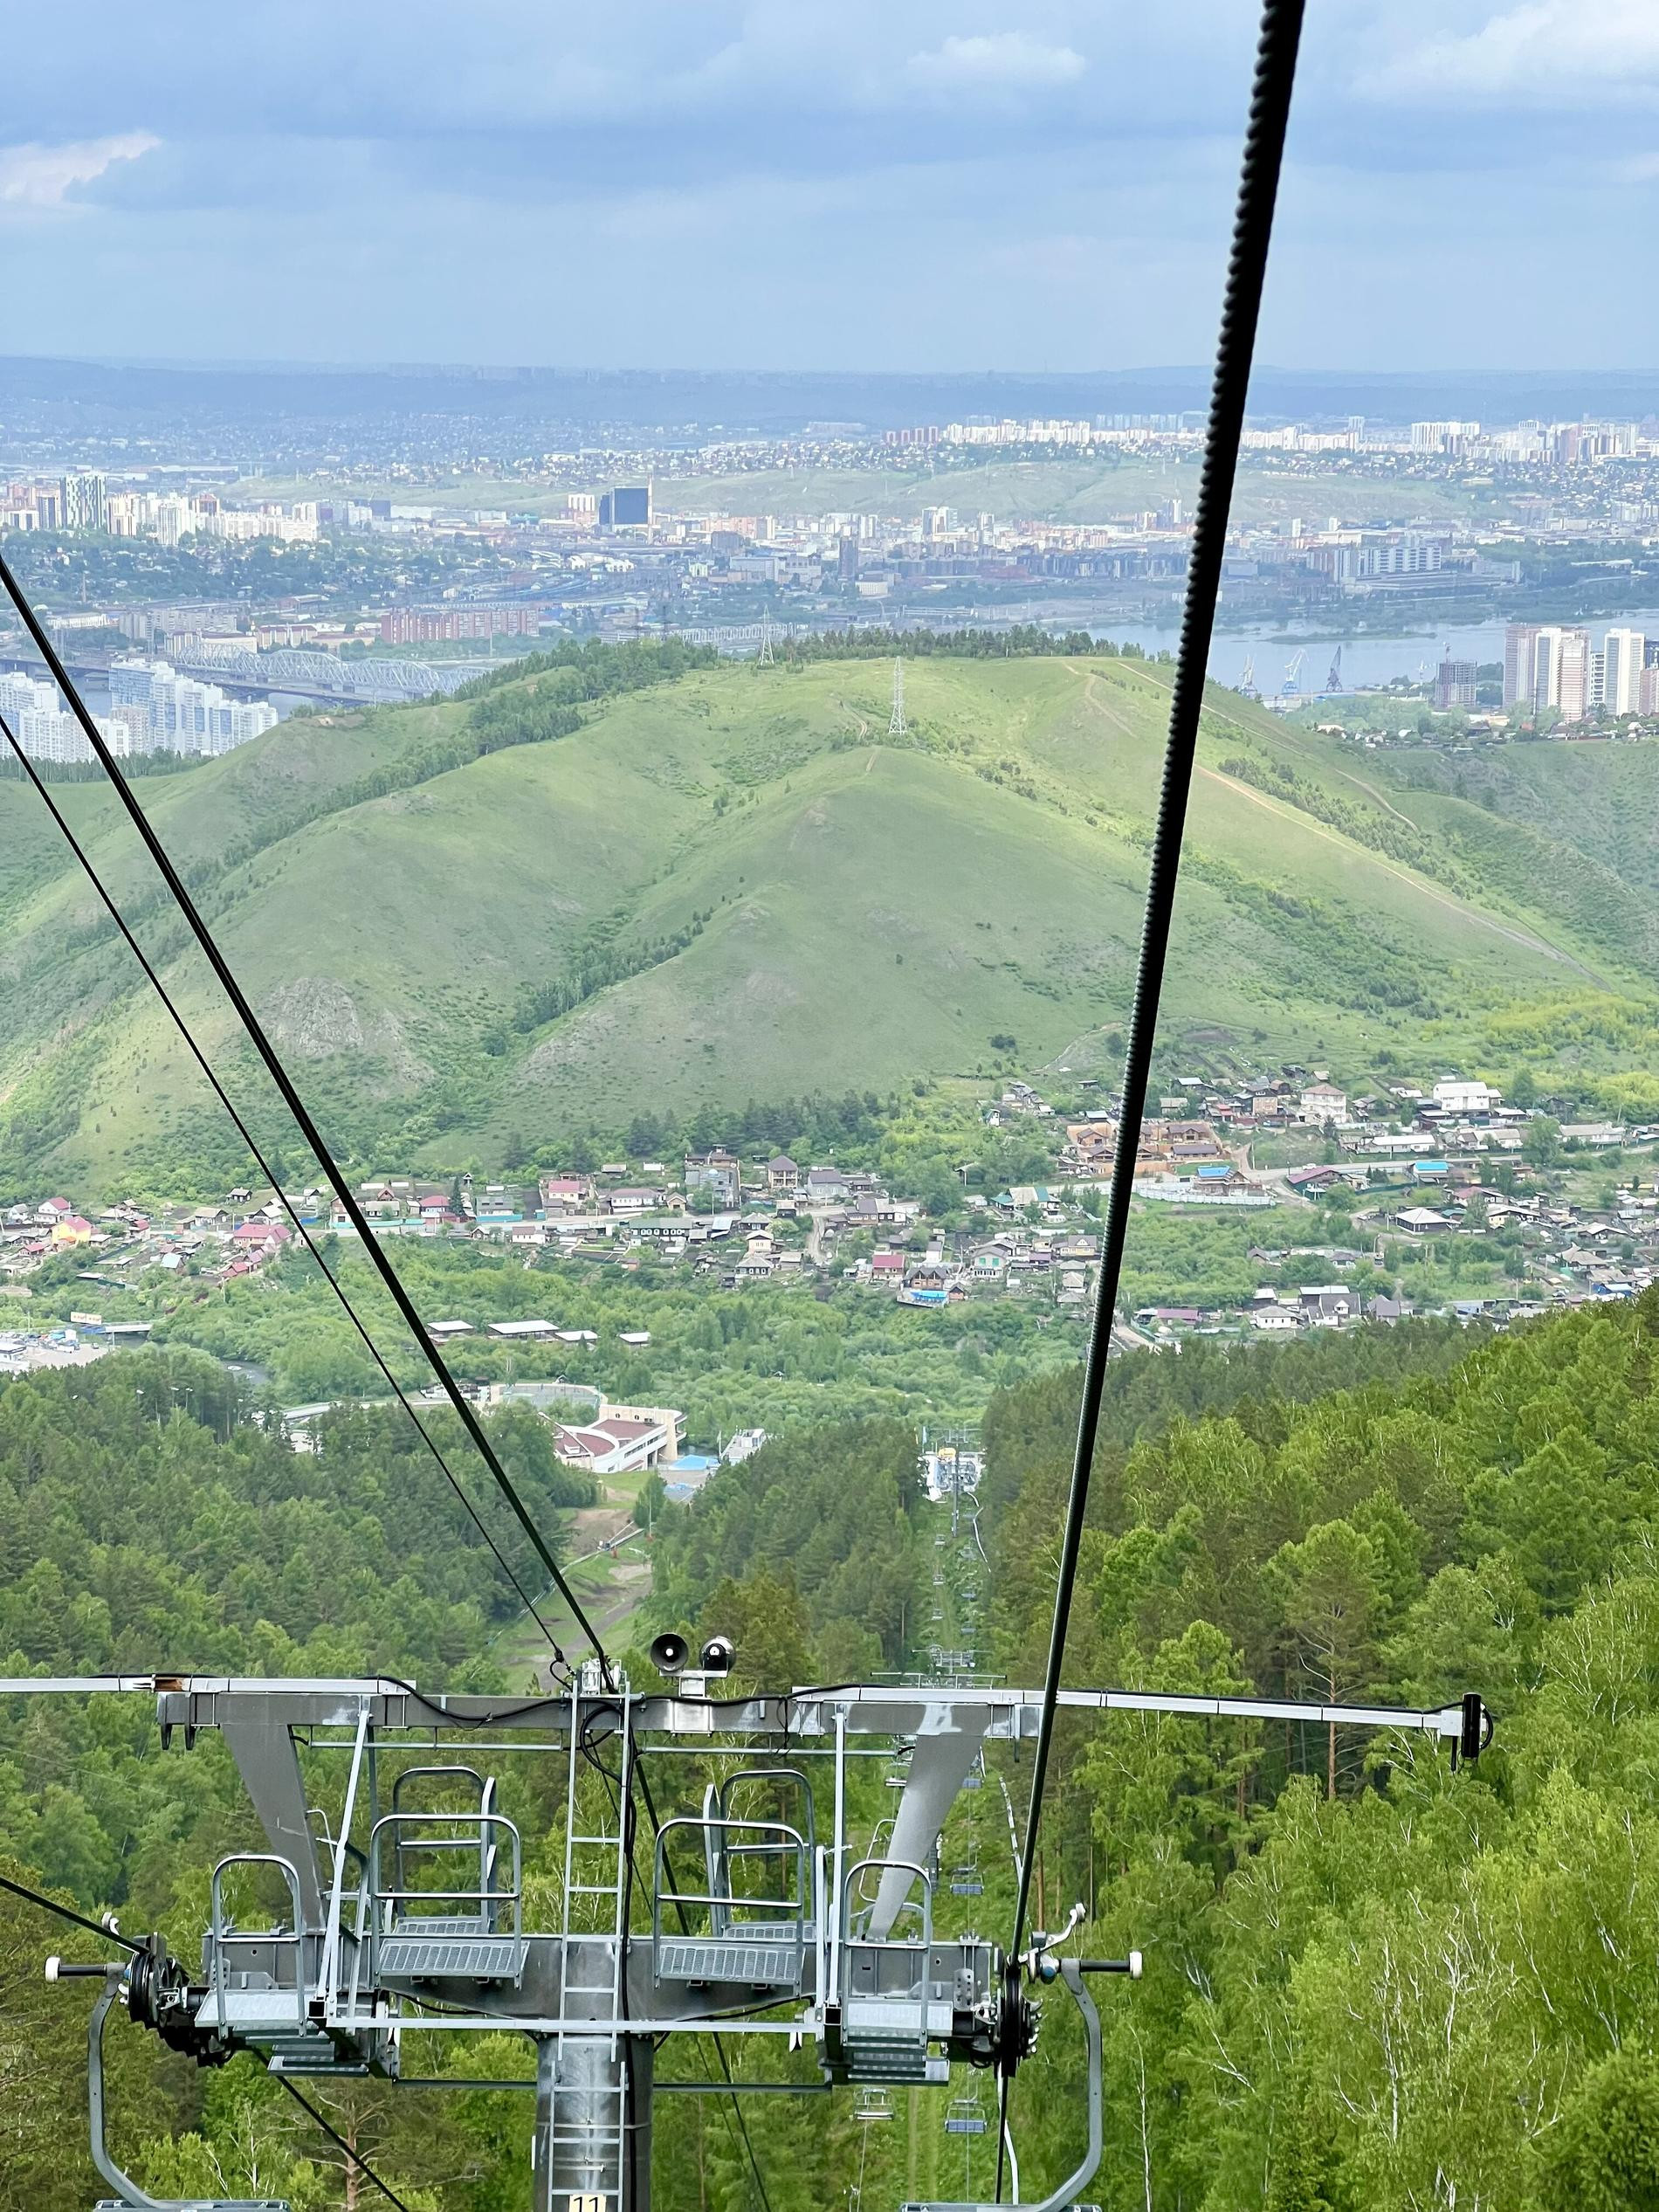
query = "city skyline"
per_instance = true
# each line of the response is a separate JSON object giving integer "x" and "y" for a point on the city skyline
{"x": 914, "y": 188}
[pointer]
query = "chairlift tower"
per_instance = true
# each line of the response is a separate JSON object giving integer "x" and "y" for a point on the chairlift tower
{"x": 897, "y": 726}
{"x": 406, "y": 1911}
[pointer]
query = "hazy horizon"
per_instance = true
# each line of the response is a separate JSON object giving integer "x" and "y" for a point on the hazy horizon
{"x": 780, "y": 185}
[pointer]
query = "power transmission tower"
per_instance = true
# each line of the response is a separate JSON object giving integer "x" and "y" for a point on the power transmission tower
{"x": 764, "y": 657}
{"x": 897, "y": 726}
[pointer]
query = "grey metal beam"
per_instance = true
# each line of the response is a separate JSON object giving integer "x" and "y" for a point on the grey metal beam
{"x": 206, "y": 1701}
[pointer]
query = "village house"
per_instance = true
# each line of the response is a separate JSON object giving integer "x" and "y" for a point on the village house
{"x": 715, "y": 1174}
{"x": 1323, "y": 1102}
{"x": 635, "y": 1199}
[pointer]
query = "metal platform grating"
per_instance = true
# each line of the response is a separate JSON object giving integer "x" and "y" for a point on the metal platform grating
{"x": 769, "y": 1965}
{"x": 430, "y": 1958}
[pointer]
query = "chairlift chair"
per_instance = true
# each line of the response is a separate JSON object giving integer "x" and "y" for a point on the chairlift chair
{"x": 870, "y": 2103}
{"x": 966, "y": 2116}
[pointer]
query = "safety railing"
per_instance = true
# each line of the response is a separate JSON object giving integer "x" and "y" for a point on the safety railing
{"x": 223, "y": 1937}
{"x": 727, "y": 1933}
{"x": 403, "y": 1902}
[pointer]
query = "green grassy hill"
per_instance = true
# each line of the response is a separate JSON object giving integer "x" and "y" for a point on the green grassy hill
{"x": 737, "y": 885}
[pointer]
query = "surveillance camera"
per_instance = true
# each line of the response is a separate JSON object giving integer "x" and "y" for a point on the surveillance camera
{"x": 719, "y": 1655}
{"x": 669, "y": 1653}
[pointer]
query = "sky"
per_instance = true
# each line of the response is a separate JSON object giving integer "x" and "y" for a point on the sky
{"x": 853, "y": 184}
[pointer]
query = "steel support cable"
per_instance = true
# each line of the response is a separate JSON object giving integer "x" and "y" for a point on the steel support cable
{"x": 1273, "y": 81}
{"x": 734, "y": 2111}
{"x": 109, "y": 1934}
{"x": 336, "y": 2138}
{"x": 256, "y": 1036}
{"x": 302, "y": 1229}
{"x": 102, "y": 1929}
{"x": 714, "y": 2038}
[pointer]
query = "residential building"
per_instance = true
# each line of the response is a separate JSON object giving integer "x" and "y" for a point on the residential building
{"x": 1456, "y": 685}
{"x": 1520, "y": 640}
{"x": 1322, "y": 1102}
{"x": 1623, "y": 656}
{"x": 1545, "y": 665}
{"x": 168, "y": 713}
{"x": 1465, "y": 1101}
{"x": 426, "y": 626}
{"x": 1573, "y": 676}
{"x": 85, "y": 501}
{"x": 715, "y": 1174}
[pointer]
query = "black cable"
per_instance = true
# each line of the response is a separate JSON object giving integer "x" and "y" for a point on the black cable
{"x": 68, "y": 1912}
{"x": 111, "y": 1935}
{"x": 179, "y": 1022}
{"x": 720, "y": 2047}
{"x": 1275, "y": 78}
{"x": 496, "y": 1714}
{"x": 291, "y": 1097}
{"x": 733, "y": 2111}
{"x": 335, "y": 2137}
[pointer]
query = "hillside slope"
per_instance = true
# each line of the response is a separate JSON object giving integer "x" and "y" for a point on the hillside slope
{"x": 737, "y": 885}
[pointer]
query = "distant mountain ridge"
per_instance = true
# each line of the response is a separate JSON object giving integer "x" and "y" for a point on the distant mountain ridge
{"x": 777, "y": 401}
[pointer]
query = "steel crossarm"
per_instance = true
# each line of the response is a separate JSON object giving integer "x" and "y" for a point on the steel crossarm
{"x": 197, "y": 1701}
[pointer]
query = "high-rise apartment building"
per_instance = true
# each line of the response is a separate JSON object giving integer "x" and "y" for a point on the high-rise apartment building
{"x": 1546, "y": 665}
{"x": 1623, "y": 656}
{"x": 1457, "y": 684}
{"x": 172, "y": 713}
{"x": 1519, "y": 641}
{"x": 86, "y": 500}
{"x": 1571, "y": 675}
{"x": 1443, "y": 438}
{"x": 47, "y": 731}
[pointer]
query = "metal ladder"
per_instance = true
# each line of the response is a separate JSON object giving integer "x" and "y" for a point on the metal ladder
{"x": 588, "y": 2118}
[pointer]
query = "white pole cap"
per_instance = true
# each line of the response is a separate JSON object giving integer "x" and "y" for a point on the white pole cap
{"x": 1134, "y": 1965}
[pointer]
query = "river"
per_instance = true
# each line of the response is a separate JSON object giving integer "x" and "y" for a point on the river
{"x": 1370, "y": 655}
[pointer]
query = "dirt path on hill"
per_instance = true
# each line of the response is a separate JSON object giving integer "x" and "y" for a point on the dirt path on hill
{"x": 593, "y": 1527}
{"x": 1091, "y": 684}
{"x": 1359, "y": 783}
{"x": 1524, "y": 938}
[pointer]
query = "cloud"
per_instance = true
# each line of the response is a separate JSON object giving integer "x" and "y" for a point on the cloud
{"x": 1547, "y": 53}
{"x": 41, "y": 176}
{"x": 999, "y": 61}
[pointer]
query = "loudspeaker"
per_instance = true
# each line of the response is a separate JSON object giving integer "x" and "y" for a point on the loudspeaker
{"x": 669, "y": 1653}
{"x": 719, "y": 1655}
